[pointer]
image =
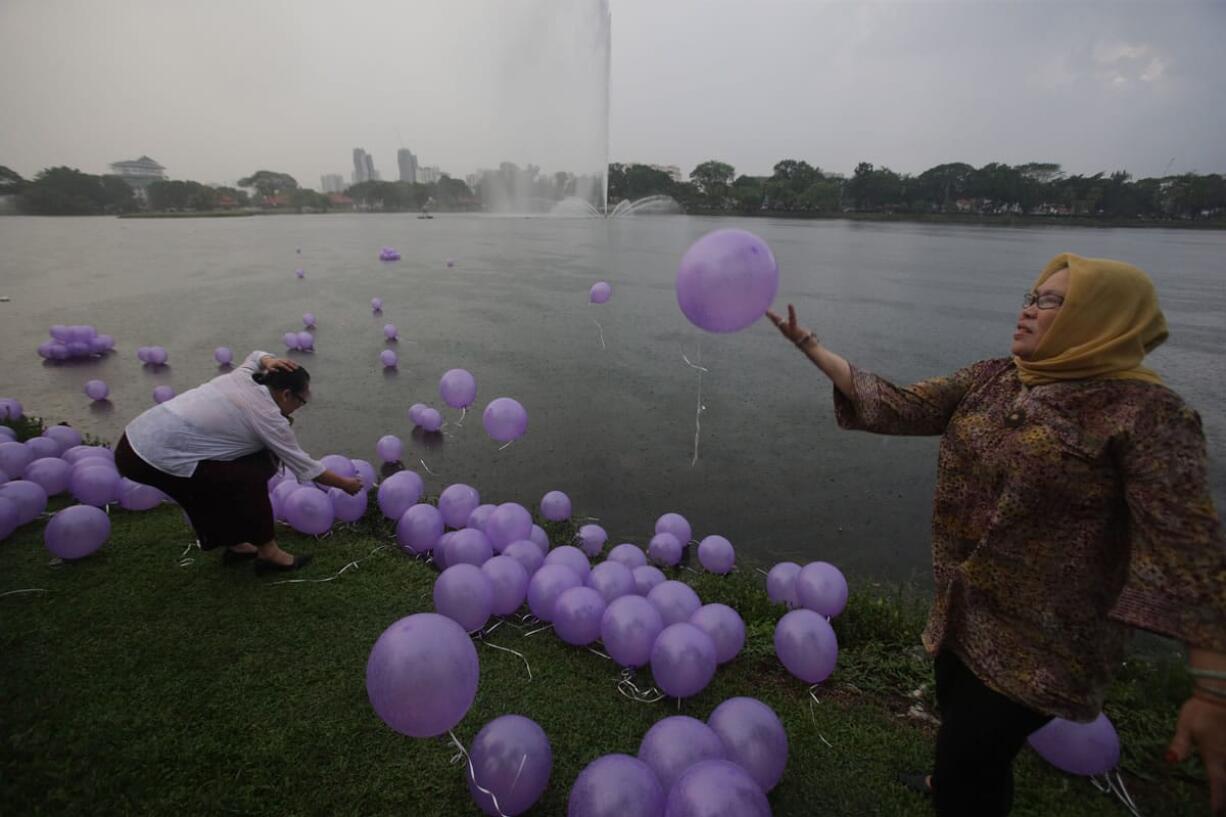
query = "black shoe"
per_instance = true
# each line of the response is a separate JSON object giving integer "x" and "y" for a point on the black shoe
{"x": 916, "y": 782}
{"x": 233, "y": 557}
{"x": 263, "y": 566}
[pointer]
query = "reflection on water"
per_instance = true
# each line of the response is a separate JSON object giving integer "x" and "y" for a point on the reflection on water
{"x": 614, "y": 426}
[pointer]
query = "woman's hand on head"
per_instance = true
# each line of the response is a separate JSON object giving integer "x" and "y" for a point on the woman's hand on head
{"x": 278, "y": 364}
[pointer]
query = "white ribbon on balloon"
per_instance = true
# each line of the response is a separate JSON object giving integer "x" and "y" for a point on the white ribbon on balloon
{"x": 26, "y": 590}
{"x": 1113, "y": 783}
{"x": 184, "y": 559}
{"x": 472, "y": 773}
{"x": 701, "y": 408}
{"x": 480, "y": 637}
{"x": 354, "y": 565}
{"x": 628, "y": 689}
{"x": 423, "y": 465}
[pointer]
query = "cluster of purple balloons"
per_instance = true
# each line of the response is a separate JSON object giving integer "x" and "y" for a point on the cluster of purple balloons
{"x": 818, "y": 586}
{"x": 153, "y": 355}
{"x": 687, "y": 768}
{"x": 389, "y": 254}
{"x": 313, "y": 509}
{"x": 427, "y": 418}
{"x": 299, "y": 341}
{"x": 804, "y": 640}
{"x": 78, "y": 341}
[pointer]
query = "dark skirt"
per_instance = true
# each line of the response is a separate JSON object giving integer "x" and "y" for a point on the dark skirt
{"x": 226, "y": 502}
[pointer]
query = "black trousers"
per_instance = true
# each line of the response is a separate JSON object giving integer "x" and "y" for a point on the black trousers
{"x": 981, "y": 733}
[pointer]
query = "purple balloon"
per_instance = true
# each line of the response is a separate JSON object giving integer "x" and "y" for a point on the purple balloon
{"x": 781, "y": 584}
{"x": 754, "y": 738}
{"x": 541, "y": 538}
{"x": 1078, "y": 748}
{"x": 389, "y": 448}
{"x": 628, "y": 554}
{"x": 366, "y": 471}
{"x": 309, "y": 510}
{"x": 725, "y": 627}
{"x": 682, "y": 660}
{"x": 51, "y": 473}
{"x": 422, "y": 675}
{"x": 58, "y": 351}
{"x": 527, "y": 554}
{"x": 674, "y": 744}
{"x": 67, "y": 436}
{"x": 646, "y": 577}
{"x": 142, "y": 354}
{"x": 389, "y": 331}
{"x": 376, "y": 304}
{"x": 456, "y": 503}
{"x": 439, "y": 555}
{"x": 94, "y": 484}
{"x": 599, "y": 293}
{"x": 340, "y": 465}
{"x": 716, "y": 788}
{"x": 431, "y": 420}
{"x": 308, "y": 320}
{"x": 415, "y": 411}
{"x": 576, "y": 615}
{"x": 509, "y": 523}
{"x": 821, "y": 587}
{"x": 505, "y": 419}
{"x": 10, "y": 409}
{"x": 468, "y": 546}
{"x": 279, "y": 495}
{"x": 61, "y": 332}
{"x": 592, "y": 539}
{"x": 223, "y": 355}
{"x": 806, "y": 644}
{"x": 9, "y": 514}
{"x": 419, "y": 528}
{"x": 480, "y": 516}
{"x": 664, "y": 549}
{"x": 465, "y": 595}
{"x": 715, "y": 553}
{"x": 611, "y": 580}
{"x": 97, "y": 390}
{"x": 300, "y": 272}
{"x": 450, "y": 263}
{"x": 555, "y": 506}
{"x": 79, "y": 452}
{"x": 629, "y": 628}
{"x": 510, "y": 582}
{"x": 511, "y": 760}
{"x": 675, "y": 600}
{"x": 29, "y": 497}
{"x": 41, "y": 447}
{"x": 306, "y": 341}
{"x": 398, "y": 493}
{"x": 77, "y": 531}
{"x": 133, "y": 496}
{"x": 163, "y": 393}
{"x": 726, "y": 280}
{"x": 388, "y": 358}
{"x": 458, "y": 388}
{"x": 546, "y": 585}
{"x": 677, "y": 525}
{"x": 158, "y": 355}
{"x": 346, "y": 507}
{"x": 7, "y": 434}
{"x": 290, "y": 339}
{"x": 616, "y": 786}
{"x": 571, "y": 557}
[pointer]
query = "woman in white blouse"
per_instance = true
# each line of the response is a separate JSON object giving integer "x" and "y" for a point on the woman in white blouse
{"x": 213, "y": 449}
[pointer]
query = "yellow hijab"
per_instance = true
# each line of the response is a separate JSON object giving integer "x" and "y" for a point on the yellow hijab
{"x": 1109, "y": 321}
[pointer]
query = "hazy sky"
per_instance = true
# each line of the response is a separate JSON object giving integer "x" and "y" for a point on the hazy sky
{"x": 214, "y": 90}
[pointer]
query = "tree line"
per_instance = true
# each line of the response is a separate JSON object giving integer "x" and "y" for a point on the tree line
{"x": 1042, "y": 189}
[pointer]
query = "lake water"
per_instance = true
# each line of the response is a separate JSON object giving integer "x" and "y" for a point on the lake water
{"x": 613, "y": 427}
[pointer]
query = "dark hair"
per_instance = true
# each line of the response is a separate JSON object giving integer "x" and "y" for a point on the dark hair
{"x": 296, "y": 381}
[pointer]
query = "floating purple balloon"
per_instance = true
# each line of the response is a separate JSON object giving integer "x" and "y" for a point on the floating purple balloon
{"x": 376, "y": 304}
{"x": 509, "y": 580}
{"x": 419, "y": 528}
{"x": 388, "y": 358}
{"x": 612, "y": 580}
{"x": 781, "y": 584}
{"x": 576, "y": 615}
{"x": 308, "y": 320}
{"x": 646, "y": 577}
{"x": 629, "y": 628}
{"x": 511, "y": 760}
{"x": 465, "y": 595}
{"x": 389, "y": 448}
{"x": 573, "y": 558}
{"x": 555, "y": 506}
{"x": 508, "y": 523}
{"x": 675, "y": 600}
{"x": 163, "y": 393}
{"x": 389, "y": 331}
{"x": 727, "y": 280}
{"x": 664, "y": 549}
{"x": 716, "y": 788}
{"x": 77, "y": 531}
{"x": 223, "y": 355}
{"x": 505, "y": 419}
{"x": 674, "y": 744}
{"x": 29, "y": 497}
{"x": 51, "y": 473}
{"x": 309, "y": 510}
{"x": 677, "y": 525}
{"x": 616, "y": 786}
{"x": 1086, "y": 749}
{"x": 458, "y": 388}
{"x": 725, "y": 627}
{"x": 592, "y": 539}
{"x": 398, "y": 493}
{"x": 628, "y": 554}
{"x": 468, "y": 546}
{"x": 422, "y": 675}
{"x": 754, "y": 738}
{"x": 599, "y": 292}
{"x": 527, "y": 553}
{"x": 806, "y": 644}
{"x": 431, "y": 420}
{"x": 97, "y": 390}
{"x": 546, "y": 585}
{"x": 682, "y": 660}
{"x": 716, "y": 554}
{"x": 456, "y": 503}
{"x": 821, "y": 588}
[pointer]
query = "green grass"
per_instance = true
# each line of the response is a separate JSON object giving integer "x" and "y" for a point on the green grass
{"x": 135, "y": 685}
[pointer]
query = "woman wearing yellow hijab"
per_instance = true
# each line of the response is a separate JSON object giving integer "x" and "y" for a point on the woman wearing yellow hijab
{"x": 1071, "y": 500}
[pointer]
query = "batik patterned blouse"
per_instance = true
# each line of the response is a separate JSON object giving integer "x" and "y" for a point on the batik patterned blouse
{"x": 1062, "y": 512}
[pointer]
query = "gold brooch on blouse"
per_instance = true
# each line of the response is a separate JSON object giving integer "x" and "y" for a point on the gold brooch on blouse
{"x": 1015, "y": 418}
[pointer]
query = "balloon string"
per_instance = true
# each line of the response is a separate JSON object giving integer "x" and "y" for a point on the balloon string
{"x": 537, "y": 630}
{"x": 601, "y": 328}
{"x": 519, "y": 655}
{"x": 473, "y": 773}
{"x": 353, "y": 564}
{"x": 598, "y": 652}
{"x": 508, "y": 445}
{"x": 699, "y": 409}
{"x": 463, "y": 414}
{"x": 27, "y": 590}
{"x": 760, "y": 570}
{"x": 184, "y": 559}
{"x": 423, "y": 465}
{"x": 813, "y": 699}
{"x": 644, "y": 696}
{"x": 1116, "y": 783}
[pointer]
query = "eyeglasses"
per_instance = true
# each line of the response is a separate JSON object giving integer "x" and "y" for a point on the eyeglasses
{"x": 1048, "y": 300}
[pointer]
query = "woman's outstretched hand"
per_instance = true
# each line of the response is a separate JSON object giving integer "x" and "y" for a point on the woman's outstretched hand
{"x": 797, "y": 334}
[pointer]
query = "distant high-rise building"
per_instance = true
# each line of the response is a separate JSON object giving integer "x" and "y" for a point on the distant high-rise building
{"x": 429, "y": 175}
{"x": 408, "y": 165}
{"x": 363, "y": 167}
{"x": 332, "y": 183}
{"x": 139, "y": 173}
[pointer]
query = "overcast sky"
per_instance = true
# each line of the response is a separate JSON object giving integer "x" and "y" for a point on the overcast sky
{"x": 215, "y": 90}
